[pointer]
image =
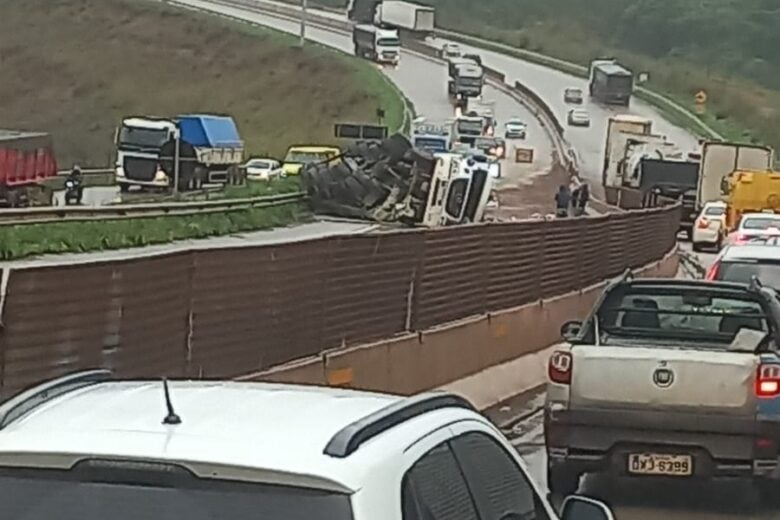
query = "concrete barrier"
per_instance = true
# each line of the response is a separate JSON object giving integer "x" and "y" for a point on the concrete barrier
{"x": 486, "y": 358}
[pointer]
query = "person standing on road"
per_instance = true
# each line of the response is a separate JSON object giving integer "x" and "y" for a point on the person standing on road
{"x": 583, "y": 199}
{"x": 562, "y": 201}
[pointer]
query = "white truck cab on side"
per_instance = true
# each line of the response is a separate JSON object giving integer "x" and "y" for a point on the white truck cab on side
{"x": 378, "y": 44}
{"x": 459, "y": 194}
{"x": 89, "y": 447}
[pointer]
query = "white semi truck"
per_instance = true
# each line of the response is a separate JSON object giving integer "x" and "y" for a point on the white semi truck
{"x": 415, "y": 18}
{"x": 377, "y": 44}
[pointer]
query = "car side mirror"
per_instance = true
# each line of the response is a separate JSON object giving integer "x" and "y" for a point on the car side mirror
{"x": 577, "y": 507}
{"x": 571, "y": 330}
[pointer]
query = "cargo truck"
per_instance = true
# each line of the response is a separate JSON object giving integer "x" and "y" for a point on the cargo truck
{"x": 377, "y": 44}
{"x": 610, "y": 82}
{"x": 466, "y": 79}
{"x": 414, "y": 18}
{"x": 393, "y": 182}
{"x": 208, "y": 148}
{"x": 721, "y": 159}
{"x": 750, "y": 191}
{"x": 26, "y": 159}
{"x": 362, "y": 11}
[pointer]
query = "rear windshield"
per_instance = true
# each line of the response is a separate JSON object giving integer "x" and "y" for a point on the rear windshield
{"x": 60, "y": 495}
{"x": 715, "y": 211}
{"x": 760, "y": 223}
{"x": 743, "y": 272}
{"x": 679, "y": 314}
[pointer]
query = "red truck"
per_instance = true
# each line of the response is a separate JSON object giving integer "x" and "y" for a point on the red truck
{"x": 26, "y": 159}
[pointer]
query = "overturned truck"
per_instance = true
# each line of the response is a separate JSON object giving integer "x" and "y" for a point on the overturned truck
{"x": 390, "y": 181}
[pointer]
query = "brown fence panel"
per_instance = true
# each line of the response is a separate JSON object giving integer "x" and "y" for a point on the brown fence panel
{"x": 559, "y": 242}
{"x": 452, "y": 279}
{"x": 367, "y": 286}
{"x": 221, "y": 313}
{"x": 514, "y": 257}
{"x": 149, "y": 300}
{"x": 54, "y": 322}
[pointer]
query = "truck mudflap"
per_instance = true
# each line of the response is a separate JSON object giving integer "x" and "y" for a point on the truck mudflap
{"x": 386, "y": 181}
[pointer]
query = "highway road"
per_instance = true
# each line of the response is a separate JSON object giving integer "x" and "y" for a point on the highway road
{"x": 423, "y": 80}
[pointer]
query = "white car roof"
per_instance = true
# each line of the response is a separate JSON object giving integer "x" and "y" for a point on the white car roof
{"x": 516, "y": 121}
{"x": 270, "y": 432}
{"x": 751, "y": 252}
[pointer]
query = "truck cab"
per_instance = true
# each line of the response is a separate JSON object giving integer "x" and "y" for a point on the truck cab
{"x": 382, "y": 45}
{"x": 466, "y": 79}
{"x": 459, "y": 193}
{"x": 610, "y": 82}
{"x": 138, "y": 144}
{"x": 467, "y": 128}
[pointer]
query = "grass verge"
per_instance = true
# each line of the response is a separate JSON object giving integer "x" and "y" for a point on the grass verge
{"x": 79, "y": 237}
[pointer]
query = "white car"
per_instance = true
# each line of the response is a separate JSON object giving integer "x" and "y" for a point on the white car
{"x": 450, "y": 50}
{"x": 573, "y": 95}
{"x": 86, "y": 446}
{"x": 263, "y": 169}
{"x": 754, "y": 226}
{"x": 708, "y": 229}
{"x": 578, "y": 117}
{"x": 515, "y": 128}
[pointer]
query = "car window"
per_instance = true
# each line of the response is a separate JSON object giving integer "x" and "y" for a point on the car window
{"x": 743, "y": 272}
{"x": 499, "y": 485}
{"x": 760, "y": 223}
{"x": 715, "y": 211}
{"x": 260, "y": 164}
{"x": 434, "y": 489}
{"x": 98, "y": 493}
{"x": 679, "y": 314}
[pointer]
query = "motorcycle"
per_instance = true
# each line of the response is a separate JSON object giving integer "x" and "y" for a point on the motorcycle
{"x": 73, "y": 192}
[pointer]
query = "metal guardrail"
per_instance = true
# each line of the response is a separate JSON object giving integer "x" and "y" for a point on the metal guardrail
{"x": 17, "y": 217}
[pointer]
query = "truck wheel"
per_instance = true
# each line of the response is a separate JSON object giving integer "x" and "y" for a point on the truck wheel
{"x": 124, "y": 188}
{"x": 562, "y": 480}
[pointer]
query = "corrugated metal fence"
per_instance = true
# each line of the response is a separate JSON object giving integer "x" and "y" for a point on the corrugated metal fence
{"x": 222, "y": 313}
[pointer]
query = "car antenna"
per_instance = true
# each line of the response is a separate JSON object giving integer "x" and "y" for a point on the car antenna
{"x": 171, "y": 418}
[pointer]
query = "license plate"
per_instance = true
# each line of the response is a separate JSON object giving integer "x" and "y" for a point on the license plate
{"x": 660, "y": 464}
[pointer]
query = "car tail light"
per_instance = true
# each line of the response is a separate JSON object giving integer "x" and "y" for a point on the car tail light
{"x": 559, "y": 368}
{"x": 703, "y": 223}
{"x": 768, "y": 381}
{"x": 712, "y": 272}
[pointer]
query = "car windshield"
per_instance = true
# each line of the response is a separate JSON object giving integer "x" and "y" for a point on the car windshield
{"x": 680, "y": 314}
{"x": 265, "y": 165}
{"x": 760, "y": 223}
{"x": 142, "y": 137}
{"x": 430, "y": 143}
{"x": 742, "y": 271}
{"x": 715, "y": 211}
{"x": 298, "y": 156}
{"x": 516, "y": 124}
{"x": 92, "y": 495}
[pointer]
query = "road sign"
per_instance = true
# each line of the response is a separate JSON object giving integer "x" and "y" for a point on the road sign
{"x": 701, "y": 97}
{"x": 351, "y": 131}
{"x": 524, "y": 155}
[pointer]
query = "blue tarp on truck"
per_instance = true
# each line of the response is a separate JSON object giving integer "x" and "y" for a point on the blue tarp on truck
{"x": 209, "y": 131}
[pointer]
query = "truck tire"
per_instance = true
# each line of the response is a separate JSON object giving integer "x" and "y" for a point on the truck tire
{"x": 562, "y": 480}
{"x": 124, "y": 187}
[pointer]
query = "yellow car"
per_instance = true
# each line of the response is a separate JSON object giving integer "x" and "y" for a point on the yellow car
{"x": 299, "y": 156}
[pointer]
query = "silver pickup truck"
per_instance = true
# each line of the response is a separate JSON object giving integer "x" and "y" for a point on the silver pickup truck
{"x": 663, "y": 379}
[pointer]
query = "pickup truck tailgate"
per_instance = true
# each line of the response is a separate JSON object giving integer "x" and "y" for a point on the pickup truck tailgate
{"x": 667, "y": 379}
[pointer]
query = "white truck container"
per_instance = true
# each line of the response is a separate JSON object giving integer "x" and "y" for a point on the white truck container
{"x": 616, "y": 125}
{"x": 721, "y": 159}
{"x": 406, "y": 15}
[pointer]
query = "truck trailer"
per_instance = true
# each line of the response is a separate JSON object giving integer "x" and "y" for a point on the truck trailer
{"x": 208, "y": 149}
{"x": 377, "y": 44}
{"x": 414, "y": 18}
{"x": 362, "y": 11}
{"x": 720, "y": 159}
{"x": 26, "y": 159}
{"x": 610, "y": 82}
